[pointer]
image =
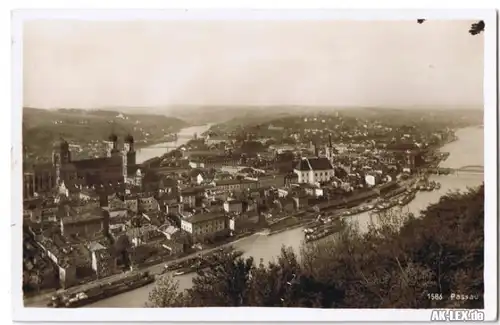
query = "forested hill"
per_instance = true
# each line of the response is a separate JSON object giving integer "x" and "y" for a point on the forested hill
{"x": 42, "y": 127}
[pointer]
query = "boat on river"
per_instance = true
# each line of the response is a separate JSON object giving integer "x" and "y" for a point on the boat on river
{"x": 394, "y": 193}
{"x": 314, "y": 227}
{"x": 358, "y": 210}
{"x": 406, "y": 199}
{"x": 322, "y": 233}
{"x": 199, "y": 259}
{"x": 206, "y": 262}
{"x": 385, "y": 205}
{"x": 102, "y": 291}
{"x": 428, "y": 185}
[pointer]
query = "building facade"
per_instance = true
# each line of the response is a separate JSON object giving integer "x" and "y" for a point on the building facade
{"x": 95, "y": 172}
{"x": 205, "y": 225}
{"x": 234, "y": 185}
{"x": 89, "y": 224}
{"x": 314, "y": 170}
{"x": 275, "y": 180}
{"x": 233, "y": 206}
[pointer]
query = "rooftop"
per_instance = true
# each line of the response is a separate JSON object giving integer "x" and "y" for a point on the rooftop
{"x": 96, "y": 163}
{"x": 217, "y": 137}
{"x": 167, "y": 196}
{"x": 95, "y": 246}
{"x": 83, "y": 202}
{"x": 206, "y": 216}
{"x": 318, "y": 163}
{"x": 70, "y": 216}
{"x": 139, "y": 231}
{"x": 234, "y": 201}
{"x": 233, "y": 181}
{"x": 168, "y": 229}
{"x": 192, "y": 190}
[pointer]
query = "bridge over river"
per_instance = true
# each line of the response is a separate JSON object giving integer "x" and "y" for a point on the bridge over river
{"x": 182, "y": 137}
{"x": 469, "y": 169}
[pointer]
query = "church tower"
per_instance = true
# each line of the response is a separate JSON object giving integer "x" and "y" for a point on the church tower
{"x": 329, "y": 148}
{"x": 63, "y": 147}
{"x": 60, "y": 156}
{"x": 113, "y": 138}
{"x": 56, "y": 162}
{"x": 131, "y": 154}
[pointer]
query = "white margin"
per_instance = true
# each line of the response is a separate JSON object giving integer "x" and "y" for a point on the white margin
{"x": 246, "y": 314}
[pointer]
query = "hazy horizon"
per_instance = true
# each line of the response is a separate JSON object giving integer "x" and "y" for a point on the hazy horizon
{"x": 176, "y": 106}
{"x": 336, "y": 64}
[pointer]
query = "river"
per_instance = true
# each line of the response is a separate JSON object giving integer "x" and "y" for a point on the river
{"x": 159, "y": 149}
{"x": 467, "y": 150}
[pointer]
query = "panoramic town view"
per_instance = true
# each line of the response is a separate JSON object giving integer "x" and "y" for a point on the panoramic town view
{"x": 277, "y": 164}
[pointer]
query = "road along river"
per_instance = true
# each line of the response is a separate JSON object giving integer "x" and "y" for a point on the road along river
{"x": 467, "y": 150}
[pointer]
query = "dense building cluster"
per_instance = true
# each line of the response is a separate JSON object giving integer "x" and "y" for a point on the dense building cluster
{"x": 92, "y": 218}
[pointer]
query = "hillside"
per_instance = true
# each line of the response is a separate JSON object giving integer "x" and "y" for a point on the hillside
{"x": 198, "y": 115}
{"x": 289, "y": 118}
{"x": 217, "y": 114}
{"x": 81, "y": 127}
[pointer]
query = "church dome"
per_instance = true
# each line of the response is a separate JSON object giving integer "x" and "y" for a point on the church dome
{"x": 61, "y": 144}
{"x": 113, "y": 137}
{"x": 129, "y": 139}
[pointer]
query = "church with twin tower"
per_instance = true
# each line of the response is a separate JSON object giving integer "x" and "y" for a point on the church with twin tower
{"x": 118, "y": 166}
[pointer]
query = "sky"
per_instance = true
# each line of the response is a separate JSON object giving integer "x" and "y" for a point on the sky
{"x": 99, "y": 64}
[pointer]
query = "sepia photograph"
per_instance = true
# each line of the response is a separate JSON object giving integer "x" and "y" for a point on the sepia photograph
{"x": 305, "y": 160}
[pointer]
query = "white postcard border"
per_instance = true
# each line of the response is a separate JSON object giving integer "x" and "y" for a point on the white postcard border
{"x": 246, "y": 314}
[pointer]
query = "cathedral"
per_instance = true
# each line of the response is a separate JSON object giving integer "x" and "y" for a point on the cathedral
{"x": 110, "y": 170}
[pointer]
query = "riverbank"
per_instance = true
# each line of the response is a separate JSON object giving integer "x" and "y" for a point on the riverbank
{"x": 173, "y": 138}
{"x": 41, "y": 300}
{"x": 155, "y": 142}
{"x": 160, "y": 148}
{"x": 299, "y": 219}
{"x": 467, "y": 150}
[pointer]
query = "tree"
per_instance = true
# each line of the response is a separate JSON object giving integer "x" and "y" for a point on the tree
{"x": 121, "y": 249}
{"x": 166, "y": 294}
{"x": 272, "y": 286}
{"x": 226, "y": 284}
{"x": 397, "y": 264}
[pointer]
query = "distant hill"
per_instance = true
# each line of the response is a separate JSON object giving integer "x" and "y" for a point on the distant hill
{"x": 42, "y": 127}
{"x": 199, "y": 114}
{"x": 219, "y": 114}
{"x": 287, "y": 118}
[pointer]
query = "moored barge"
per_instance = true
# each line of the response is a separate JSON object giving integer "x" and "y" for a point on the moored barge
{"x": 101, "y": 291}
